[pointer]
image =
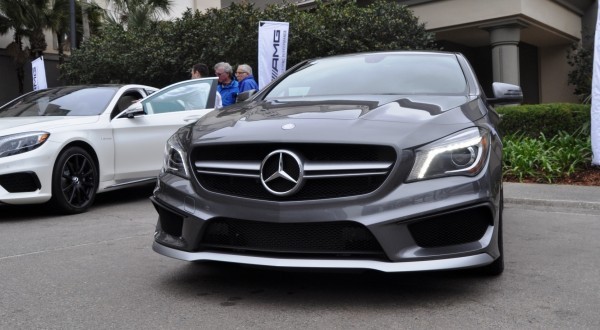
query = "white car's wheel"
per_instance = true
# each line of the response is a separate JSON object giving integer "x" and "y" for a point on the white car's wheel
{"x": 74, "y": 181}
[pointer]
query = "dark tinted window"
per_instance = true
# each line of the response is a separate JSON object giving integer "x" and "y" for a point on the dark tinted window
{"x": 62, "y": 101}
{"x": 381, "y": 73}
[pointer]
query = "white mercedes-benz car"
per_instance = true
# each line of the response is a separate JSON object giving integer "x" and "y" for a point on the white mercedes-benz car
{"x": 64, "y": 145}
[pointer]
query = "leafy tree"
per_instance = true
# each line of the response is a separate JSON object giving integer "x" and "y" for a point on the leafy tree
{"x": 162, "y": 53}
{"x": 342, "y": 26}
{"x": 580, "y": 59}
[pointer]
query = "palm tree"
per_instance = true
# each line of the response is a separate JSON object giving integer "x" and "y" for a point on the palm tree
{"x": 13, "y": 18}
{"x": 137, "y": 13}
{"x": 36, "y": 21}
{"x": 30, "y": 18}
{"x": 59, "y": 20}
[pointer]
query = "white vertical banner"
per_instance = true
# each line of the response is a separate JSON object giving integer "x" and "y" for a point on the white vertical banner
{"x": 595, "y": 113}
{"x": 272, "y": 50}
{"x": 38, "y": 71}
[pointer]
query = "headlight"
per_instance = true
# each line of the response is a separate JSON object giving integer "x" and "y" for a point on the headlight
{"x": 463, "y": 153}
{"x": 174, "y": 158}
{"x": 19, "y": 143}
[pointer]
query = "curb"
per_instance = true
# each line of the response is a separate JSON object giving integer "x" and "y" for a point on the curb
{"x": 555, "y": 203}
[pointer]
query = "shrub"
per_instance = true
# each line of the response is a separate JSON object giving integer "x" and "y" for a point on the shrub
{"x": 544, "y": 119}
{"x": 580, "y": 59}
{"x": 163, "y": 53}
{"x": 545, "y": 159}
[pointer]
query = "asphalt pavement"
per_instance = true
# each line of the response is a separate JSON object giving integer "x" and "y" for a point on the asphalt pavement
{"x": 552, "y": 195}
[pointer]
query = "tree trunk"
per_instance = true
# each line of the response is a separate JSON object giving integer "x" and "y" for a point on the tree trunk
{"x": 20, "y": 56}
{"x": 21, "y": 78}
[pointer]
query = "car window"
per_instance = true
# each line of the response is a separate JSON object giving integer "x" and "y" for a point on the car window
{"x": 375, "y": 74}
{"x": 127, "y": 99}
{"x": 65, "y": 101}
{"x": 194, "y": 95}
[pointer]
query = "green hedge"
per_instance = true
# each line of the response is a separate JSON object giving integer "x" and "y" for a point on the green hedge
{"x": 163, "y": 53}
{"x": 547, "y": 119}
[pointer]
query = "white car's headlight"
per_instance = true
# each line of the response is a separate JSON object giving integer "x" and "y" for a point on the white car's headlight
{"x": 462, "y": 153}
{"x": 174, "y": 158}
{"x": 22, "y": 142}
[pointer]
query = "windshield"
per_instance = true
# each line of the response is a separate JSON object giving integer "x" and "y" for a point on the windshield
{"x": 379, "y": 73}
{"x": 61, "y": 101}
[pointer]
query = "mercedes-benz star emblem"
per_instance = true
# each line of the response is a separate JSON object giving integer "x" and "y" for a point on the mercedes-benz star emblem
{"x": 282, "y": 172}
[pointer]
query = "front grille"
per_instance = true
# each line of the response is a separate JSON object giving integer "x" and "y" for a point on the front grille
{"x": 452, "y": 228}
{"x": 20, "y": 182}
{"x": 328, "y": 170}
{"x": 343, "y": 238}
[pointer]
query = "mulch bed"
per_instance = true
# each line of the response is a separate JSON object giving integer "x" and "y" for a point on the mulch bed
{"x": 589, "y": 176}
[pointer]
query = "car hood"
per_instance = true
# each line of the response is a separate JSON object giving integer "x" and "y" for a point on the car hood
{"x": 356, "y": 119}
{"x": 11, "y": 125}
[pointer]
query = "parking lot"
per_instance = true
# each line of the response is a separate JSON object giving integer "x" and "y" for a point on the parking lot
{"x": 97, "y": 270}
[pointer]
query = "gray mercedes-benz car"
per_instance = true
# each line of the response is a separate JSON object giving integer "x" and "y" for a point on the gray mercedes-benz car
{"x": 389, "y": 161}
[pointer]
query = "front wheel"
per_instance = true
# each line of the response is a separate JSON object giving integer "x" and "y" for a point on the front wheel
{"x": 74, "y": 181}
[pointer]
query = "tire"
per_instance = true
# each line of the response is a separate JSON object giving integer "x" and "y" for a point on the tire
{"x": 497, "y": 266}
{"x": 74, "y": 181}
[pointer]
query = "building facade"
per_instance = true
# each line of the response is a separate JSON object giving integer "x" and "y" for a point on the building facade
{"x": 523, "y": 42}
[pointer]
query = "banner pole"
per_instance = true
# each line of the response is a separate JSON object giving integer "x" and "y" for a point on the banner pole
{"x": 595, "y": 110}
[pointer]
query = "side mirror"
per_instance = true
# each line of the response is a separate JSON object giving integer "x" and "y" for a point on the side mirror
{"x": 241, "y": 97}
{"x": 506, "y": 94}
{"x": 136, "y": 109}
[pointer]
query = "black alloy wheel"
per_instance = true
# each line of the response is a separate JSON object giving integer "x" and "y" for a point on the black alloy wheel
{"x": 74, "y": 181}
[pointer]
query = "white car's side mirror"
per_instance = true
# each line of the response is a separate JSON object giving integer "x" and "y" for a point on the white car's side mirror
{"x": 134, "y": 110}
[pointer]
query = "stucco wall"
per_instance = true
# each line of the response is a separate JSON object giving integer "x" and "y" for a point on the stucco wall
{"x": 554, "y": 73}
{"x": 180, "y": 6}
{"x": 446, "y": 13}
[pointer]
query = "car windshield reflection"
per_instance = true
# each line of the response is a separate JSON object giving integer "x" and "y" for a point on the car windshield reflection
{"x": 68, "y": 101}
{"x": 435, "y": 74}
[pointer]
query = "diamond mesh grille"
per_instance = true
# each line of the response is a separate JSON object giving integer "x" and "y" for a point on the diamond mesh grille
{"x": 460, "y": 227}
{"x": 321, "y": 238}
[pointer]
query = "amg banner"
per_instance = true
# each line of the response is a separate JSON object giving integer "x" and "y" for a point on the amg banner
{"x": 272, "y": 50}
{"x": 38, "y": 71}
{"x": 595, "y": 113}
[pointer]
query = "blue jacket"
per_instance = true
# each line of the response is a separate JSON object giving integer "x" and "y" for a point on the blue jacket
{"x": 229, "y": 92}
{"x": 248, "y": 83}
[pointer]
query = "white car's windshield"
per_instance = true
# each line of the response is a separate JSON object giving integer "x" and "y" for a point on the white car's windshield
{"x": 62, "y": 101}
{"x": 381, "y": 73}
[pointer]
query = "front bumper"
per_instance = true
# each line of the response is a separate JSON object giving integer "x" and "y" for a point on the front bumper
{"x": 184, "y": 215}
{"x": 26, "y": 177}
{"x": 476, "y": 260}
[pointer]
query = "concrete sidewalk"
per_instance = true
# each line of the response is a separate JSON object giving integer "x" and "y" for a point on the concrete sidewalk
{"x": 587, "y": 197}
